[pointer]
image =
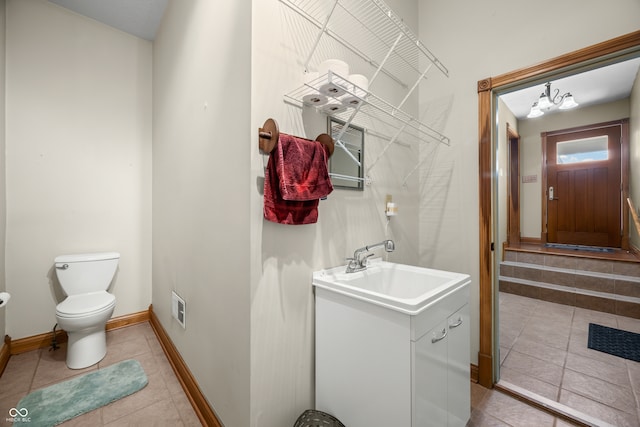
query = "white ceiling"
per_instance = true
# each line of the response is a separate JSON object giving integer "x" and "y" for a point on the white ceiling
{"x": 597, "y": 86}
{"x": 138, "y": 17}
{"x": 613, "y": 82}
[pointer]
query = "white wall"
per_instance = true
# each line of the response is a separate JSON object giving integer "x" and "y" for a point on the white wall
{"x": 219, "y": 70}
{"x": 201, "y": 177}
{"x": 531, "y": 153}
{"x": 3, "y": 181}
{"x": 283, "y": 257}
{"x": 479, "y": 40}
{"x": 634, "y": 158}
{"x": 78, "y": 141}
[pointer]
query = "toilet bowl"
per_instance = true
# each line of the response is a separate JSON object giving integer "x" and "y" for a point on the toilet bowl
{"x": 85, "y": 279}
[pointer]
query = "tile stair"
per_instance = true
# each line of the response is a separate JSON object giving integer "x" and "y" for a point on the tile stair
{"x": 609, "y": 286}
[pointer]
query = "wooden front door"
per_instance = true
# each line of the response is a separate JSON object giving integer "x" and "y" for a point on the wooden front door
{"x": 583, "y": 189}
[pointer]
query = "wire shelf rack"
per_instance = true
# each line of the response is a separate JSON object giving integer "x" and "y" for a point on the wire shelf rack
{"x": 375, "y": 108}
{"x": 370, "y": 29}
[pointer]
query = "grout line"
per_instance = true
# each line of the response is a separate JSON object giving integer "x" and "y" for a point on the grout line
{"x": 566, "y": 357}
{"x": 634, "y": 394}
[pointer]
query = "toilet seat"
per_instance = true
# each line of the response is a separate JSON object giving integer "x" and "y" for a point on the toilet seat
{"x": 84, "y": 305}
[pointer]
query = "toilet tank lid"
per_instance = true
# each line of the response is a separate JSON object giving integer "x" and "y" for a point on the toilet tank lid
{"x": 95, "y": 256}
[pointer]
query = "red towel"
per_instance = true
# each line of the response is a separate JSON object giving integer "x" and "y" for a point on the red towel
{"x": 295, "y": 179}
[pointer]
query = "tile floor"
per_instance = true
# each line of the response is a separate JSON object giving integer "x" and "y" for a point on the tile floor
{"x": 543, "y": 349}
{"x": 161, "y": 403}
{"x": 492, "y": 408}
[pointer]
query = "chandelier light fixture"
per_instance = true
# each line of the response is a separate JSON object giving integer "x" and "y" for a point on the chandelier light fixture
{"x": 547, "y": 102}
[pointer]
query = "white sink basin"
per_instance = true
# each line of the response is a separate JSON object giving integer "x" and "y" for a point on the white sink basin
{"x": 404, "y": 288}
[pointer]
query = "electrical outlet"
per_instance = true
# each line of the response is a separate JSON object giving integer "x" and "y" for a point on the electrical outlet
{"x": 178, "y": 309}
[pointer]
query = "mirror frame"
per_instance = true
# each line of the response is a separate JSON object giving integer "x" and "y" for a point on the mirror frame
{"x": 608, "y": 51}
{"x": 360, "y": 178}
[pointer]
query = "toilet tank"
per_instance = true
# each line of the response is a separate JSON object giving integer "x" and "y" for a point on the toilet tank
{"x": 84, "y": 273}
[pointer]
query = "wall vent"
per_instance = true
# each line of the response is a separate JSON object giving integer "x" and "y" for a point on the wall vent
{"x": 178, "y": 309}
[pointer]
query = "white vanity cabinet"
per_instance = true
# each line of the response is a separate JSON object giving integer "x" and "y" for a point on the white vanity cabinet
{"x": 378, "y": 365}
{"x": 441, "y": 356}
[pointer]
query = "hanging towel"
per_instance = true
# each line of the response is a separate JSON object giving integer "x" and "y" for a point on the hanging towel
{"x": 295, "y": 179}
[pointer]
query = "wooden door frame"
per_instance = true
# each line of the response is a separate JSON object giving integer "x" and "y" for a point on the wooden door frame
{"x": 609, "y": 50}
{"x": 624, "y": 173}
{"x": 513, "y": 187}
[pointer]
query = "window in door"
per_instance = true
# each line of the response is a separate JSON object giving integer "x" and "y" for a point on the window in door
{"x": 583, "y": 150}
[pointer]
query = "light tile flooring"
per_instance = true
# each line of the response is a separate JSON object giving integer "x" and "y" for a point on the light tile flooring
{"x": 543, "y": 349}
{"x": 161, "y": 403}
{"x": 492, "y": 408}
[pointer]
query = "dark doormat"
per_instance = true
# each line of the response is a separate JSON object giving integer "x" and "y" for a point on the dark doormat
{"x": 614, "y": 341}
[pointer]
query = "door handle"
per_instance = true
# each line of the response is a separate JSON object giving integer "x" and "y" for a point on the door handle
{"x": 443, "y": 334}
{"x": 551, "y": 194}
{"x": 456, "y": 324}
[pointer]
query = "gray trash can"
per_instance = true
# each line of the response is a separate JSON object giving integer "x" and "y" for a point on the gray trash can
{"x": 313, "y": 418}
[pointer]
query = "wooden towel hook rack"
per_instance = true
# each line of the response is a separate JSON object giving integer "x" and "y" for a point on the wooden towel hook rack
{"x": 269, "y": 133}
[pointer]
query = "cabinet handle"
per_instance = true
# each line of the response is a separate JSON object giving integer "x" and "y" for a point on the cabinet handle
{"x": 436, "y": 339}
{"x": 455, "y": 325}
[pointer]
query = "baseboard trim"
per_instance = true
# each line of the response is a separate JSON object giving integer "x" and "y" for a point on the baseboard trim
{"x": 23, "y": 345}
{"x": 128, "y": 320}
{"x": 532, "y": 240}
{"x": 485, "y": 370}
{"x": 200, "y": 405}
{"x": 474, "y": 373}
{"x": 5, "y": 353}
{"x": 194, "y": 394}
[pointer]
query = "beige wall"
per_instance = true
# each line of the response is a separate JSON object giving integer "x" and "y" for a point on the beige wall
{"x": 634, "y": 158}
{"x": 78, "y": 141}
{"x": 284, "y": 257}
{"x": 486, "y": 40}
{"x": 3, "y": 181}
{"x": 201, "y": 178}
{"x": 249, "y": 335}
{"x": 531, "y": 153}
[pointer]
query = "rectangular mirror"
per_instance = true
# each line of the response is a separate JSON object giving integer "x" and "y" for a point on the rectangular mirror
{"x": 346, "y": 166}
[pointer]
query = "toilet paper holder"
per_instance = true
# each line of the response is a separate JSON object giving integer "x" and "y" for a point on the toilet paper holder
{"x": 4, "y": 298}
{"x": 269, "y": 133}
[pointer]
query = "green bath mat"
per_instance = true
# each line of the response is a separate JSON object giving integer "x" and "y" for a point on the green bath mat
{"x": 60, "y": 402}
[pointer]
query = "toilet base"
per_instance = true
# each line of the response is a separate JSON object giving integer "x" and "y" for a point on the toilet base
{"x": 86, "y": 347}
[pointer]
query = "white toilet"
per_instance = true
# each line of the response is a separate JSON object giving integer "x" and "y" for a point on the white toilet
{"x": 85, "y": 279}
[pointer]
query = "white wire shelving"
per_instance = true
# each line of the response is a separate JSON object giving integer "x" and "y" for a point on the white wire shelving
{"x": 369, "y": 104}
{"x": 372, "y": 31}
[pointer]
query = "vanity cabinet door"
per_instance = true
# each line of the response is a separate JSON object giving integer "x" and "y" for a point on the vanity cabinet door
{"x": 430, "y": 378}
{"x": 458, "y": 385}
{"x": 441, "y": 373}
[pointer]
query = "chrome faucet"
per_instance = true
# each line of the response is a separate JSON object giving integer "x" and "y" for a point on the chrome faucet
{"x": 360, "y": 256}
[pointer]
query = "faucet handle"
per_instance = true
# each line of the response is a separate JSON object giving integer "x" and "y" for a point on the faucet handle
{"x": 352, "y": 261}
{"x": 353, "y": 265}
{"x": 363, "y": 260}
